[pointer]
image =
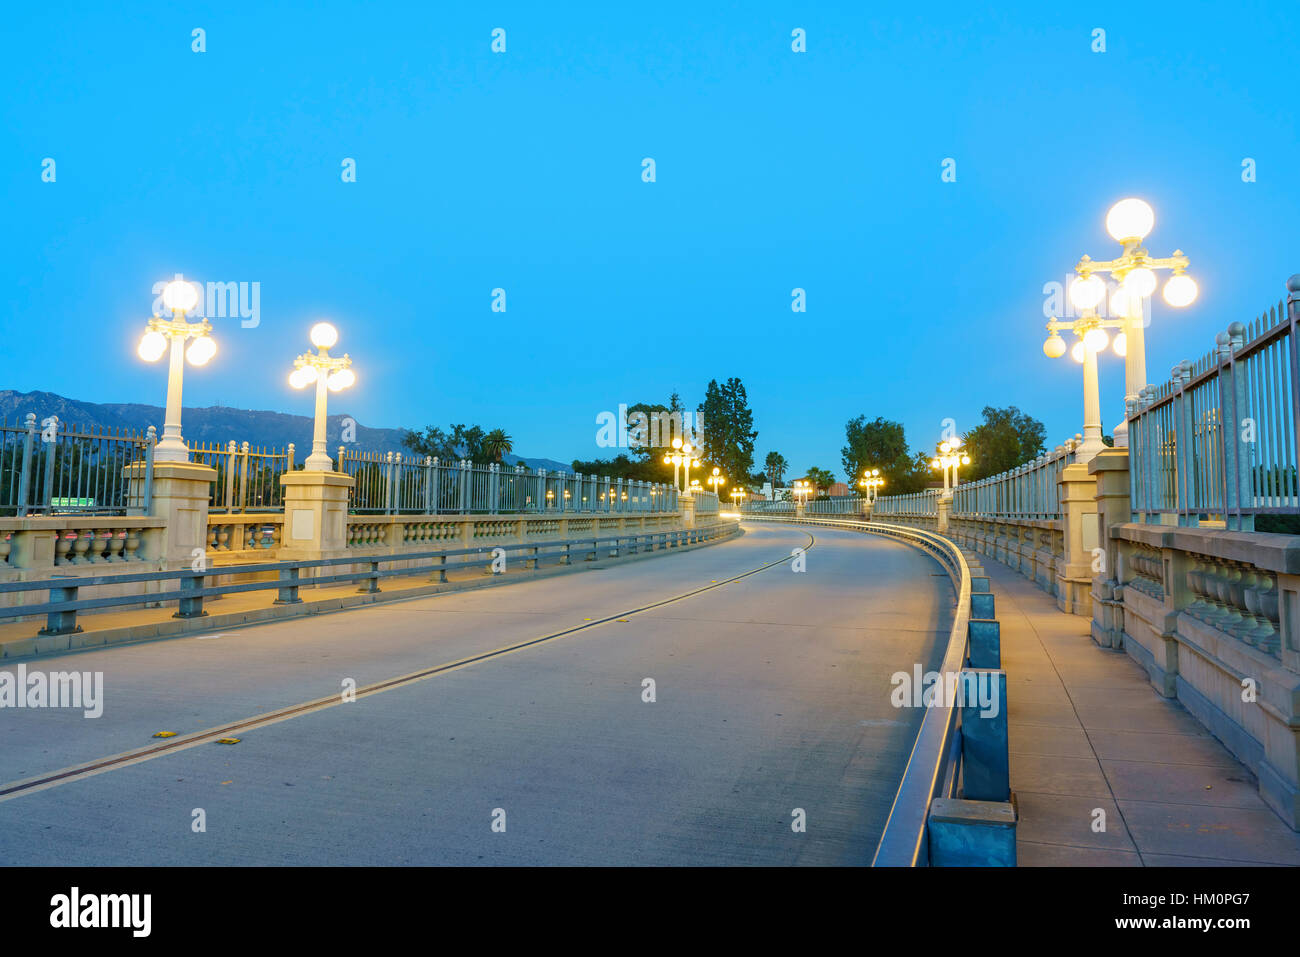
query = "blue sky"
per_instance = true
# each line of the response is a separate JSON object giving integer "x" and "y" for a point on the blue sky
{"x": 522, "y": 171}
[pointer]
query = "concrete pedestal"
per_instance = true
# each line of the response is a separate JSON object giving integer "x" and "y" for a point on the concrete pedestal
{"x": 1079, "y": 519}
{"x": 943, "y": 511}
{"x": 315, "y": 515}
{"x": 181, "y": 491}
{"x": 687, "y": 504}
{"x": 1110, "y": 471}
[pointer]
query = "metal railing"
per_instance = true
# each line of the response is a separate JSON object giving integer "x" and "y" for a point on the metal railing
{"x": 389, "y": 483}
{"x": 934, "y": 766}
{"x": 761, "y": 507}
{"x": 1219, "y": 440}
{"x": 833, "y": 505}
{"x": 1029, "y": 491}
{"x": 706, "y": 503}
{"x": 193, "y": 585}
{"x": 912, "y": 505}
{"x": 53, "y": 468}
{"x": 248, "y": 478}
{"x": 836, "y": 505}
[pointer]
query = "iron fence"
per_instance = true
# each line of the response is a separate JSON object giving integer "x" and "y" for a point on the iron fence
{"x": 913, "y": 504}
{"x": 248, "y": 478}
{"x": 53, "y": 468}
{"x": 1029, "y": 491}
{"x": 1219, "y": 440}
{"x": 389, "y": 483}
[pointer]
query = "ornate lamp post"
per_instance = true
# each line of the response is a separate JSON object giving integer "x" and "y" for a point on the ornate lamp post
{"x": 180, "y": 297}
{"x": 737, "y": 497}
{"x": 871, "y": 481}
{"x": 681, "y": 455}
{"x": 717, "y": 480}
{"x": 328, "y": 372}
{"x": 801, "y": 490}
{"x": 950, "y": 457}
{"x": 1128, "y": 222}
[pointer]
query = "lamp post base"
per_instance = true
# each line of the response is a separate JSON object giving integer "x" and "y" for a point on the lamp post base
{"x": 171, "y": 449}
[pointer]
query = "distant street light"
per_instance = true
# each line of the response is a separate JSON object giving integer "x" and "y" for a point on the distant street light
{"x": 801, "y": 490}
{"x": 737, "y": 497}
{"x": 328, "y": 372}
{"x": 950, "y": 457}
{"x": 681, "y": 455}
{"x": 180, "y": 297}
{"x": 717, "y": 480}
{"x": 871, "y": 481}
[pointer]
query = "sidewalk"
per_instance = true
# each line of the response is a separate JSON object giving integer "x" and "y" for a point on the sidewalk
{"x": 1088, "y": 731}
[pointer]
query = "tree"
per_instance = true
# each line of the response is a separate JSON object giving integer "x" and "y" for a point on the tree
{"x": 728, "y": 429}
{"x": 1005, "y": 439}
{"x": 496, "y": 444}
{"x": 820, "y": 479}
{"x": 432, "y": 442}
{"x": 621, "y": 466}
{"x": 775, "y": 466}
{"x": 463, "y": 442}
{"x": 881, "y": 444}
{"x": 469, "y": 440}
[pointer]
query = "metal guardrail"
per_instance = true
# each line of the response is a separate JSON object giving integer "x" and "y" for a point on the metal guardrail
{"x": 62, "y": 608}
{"x": 933, "y": 768}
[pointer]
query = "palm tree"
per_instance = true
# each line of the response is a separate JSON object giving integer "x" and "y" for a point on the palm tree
{"x": 820, "y": 479}
{"x": 775, "y": 465}
{"x": 496, "y": 444}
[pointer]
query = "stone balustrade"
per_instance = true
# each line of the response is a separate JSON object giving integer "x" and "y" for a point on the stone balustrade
{"x": 393, "y": 534}
{"x": 247, "y": 532}
{"x": 44, "y": 543}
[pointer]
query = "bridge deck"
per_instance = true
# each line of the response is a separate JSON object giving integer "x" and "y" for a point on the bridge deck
{"x": 773, "y": 693}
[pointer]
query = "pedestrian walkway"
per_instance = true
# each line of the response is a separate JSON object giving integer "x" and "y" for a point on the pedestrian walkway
{"x": 1088, "y": 733}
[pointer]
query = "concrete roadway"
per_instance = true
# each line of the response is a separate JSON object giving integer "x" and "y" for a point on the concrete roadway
{"x": 772, "y": 694}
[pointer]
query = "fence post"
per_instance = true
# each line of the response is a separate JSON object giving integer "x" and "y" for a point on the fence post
{"x": 25, "y": 479}
{"x": 1238, "y": 453}
{"x": 541, "y": 490}
{"x": 288, "y": 459}
{"x": 1180, "y": 375}
{"x": 47, "y": 493}
{"x": 62, "y": 622}
{"x": 464, "y": 482}
{"x": 428, "y": 484}
{"x": 150, "y": 440}
{"x": 388, "y": 484}
{"x": 228, "y": 487}
{"x": 288, "y": 587}
{"x": 191, "y": 606}
{"x": 243, "y": 478}
{"x": 494, "y": 487}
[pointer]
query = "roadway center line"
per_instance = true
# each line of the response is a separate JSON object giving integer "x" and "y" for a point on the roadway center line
{"x": 125, "y": 759}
